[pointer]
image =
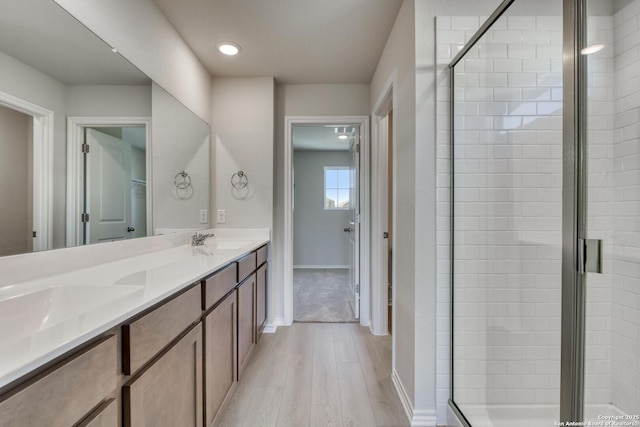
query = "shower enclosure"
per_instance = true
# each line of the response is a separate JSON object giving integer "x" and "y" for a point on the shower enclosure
{"x": 545, "y": 215}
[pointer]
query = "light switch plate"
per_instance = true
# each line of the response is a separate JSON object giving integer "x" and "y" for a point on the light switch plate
{"x": 222, "y": 216}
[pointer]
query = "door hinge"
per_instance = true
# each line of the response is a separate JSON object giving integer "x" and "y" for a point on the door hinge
{"x": 357, "y": 148}
{"x": 85, "y": 148}
{"x": 84, "y": 217}
{"x": 358, "y": 288}
{"x": 385, "y": 235}
{"x": 590, "y": 256}
{"x": 35, "y": 234}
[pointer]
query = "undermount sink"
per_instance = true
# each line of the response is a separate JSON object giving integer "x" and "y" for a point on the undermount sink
{"x": 29, "y": 313}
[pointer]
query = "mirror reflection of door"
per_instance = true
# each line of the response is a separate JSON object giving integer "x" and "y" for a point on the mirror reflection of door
{"x": 115, "y": 186}
{"x": 16, "y": 187}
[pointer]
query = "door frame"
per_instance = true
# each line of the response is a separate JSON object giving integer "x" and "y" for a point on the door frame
{"x": 380, "y": 215}
{"x": 75, "y": 170}
{"x": 42, "y": 168}
{"x": 363, "y": 122}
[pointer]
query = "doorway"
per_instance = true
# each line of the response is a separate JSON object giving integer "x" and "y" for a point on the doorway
{"x": 341, "y": 202}
{"x": 324, "y": 235}
{"x": 109, "y": 194}
{"x": 31, "y": 171}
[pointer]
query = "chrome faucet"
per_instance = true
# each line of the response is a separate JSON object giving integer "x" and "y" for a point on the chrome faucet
{"x": 198, "y": 239}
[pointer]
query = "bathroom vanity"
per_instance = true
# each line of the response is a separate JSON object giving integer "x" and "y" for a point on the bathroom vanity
{"x": 158, "y": 339}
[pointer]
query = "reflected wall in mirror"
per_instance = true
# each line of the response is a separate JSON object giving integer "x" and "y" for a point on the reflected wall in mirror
{"x": 61, "y": 87}
{"x": 181, "y": 143}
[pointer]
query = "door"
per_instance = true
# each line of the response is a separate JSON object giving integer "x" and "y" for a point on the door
{"x": 609, "y": 230}
{"x": 354, "y": 224}
{"x": 220, "y": 355}
{"x": 107, "y": 188}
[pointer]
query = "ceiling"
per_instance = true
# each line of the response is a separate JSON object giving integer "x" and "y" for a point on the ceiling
{"x": 321, "y": 138}
{"x": 41, "y": 34}
{"x": 295, "y": 41}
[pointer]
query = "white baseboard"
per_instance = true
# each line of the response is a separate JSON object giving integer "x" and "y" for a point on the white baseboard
{"x": 307, "y": 267}
{"x": 420, "y": 418}
{"x": 271, "y": 328}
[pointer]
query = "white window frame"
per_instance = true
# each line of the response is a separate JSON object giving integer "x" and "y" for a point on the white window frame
{"x": 324, "y": 189}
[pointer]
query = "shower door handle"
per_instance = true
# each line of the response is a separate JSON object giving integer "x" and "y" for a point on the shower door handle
{"x": 590, "y": 256}
{"x": 130, "y": 229}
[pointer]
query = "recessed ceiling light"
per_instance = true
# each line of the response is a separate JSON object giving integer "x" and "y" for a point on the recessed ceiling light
{"x": 343, "y": 136}
{"x": 229, "y": 48}
{"x": 594, "y": 48}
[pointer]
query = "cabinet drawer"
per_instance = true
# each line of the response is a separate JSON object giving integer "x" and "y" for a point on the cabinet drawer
{"x": 246, "y": 266}
{"x": 262, "y": 255}
{"x": 65, "y": 394}
{"x": 218, "y": 285}
{"x": 145, "y": 336}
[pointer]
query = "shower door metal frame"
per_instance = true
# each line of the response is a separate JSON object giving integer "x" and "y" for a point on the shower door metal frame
{"x": 574, "y": 207}
{"x": 574, "y": 210}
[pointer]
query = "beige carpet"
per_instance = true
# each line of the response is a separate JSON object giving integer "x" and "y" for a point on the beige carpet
{"x": 321, "y": 295}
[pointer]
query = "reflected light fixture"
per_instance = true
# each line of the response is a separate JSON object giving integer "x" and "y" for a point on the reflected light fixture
{"x": 594, "y": 48}
{"x": 228, "y": 48}
{"x": 343, "y": 136}
{"x": 114, "y": 49}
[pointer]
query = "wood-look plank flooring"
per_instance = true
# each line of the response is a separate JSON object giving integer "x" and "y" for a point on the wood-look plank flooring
{"x": 319, "y": 375}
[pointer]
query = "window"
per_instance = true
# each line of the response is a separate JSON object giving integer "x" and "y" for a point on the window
{"x": 336, "y": 187}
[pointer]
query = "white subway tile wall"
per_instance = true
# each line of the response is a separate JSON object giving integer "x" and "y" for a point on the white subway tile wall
{"x": 508, "y": 212}
{"x": 624, "y": 212}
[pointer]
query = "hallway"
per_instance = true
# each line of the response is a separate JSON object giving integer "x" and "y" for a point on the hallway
{"x": 314, "y": 374}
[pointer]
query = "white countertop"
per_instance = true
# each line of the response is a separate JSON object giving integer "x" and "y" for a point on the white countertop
{"x": 44, "y": 318}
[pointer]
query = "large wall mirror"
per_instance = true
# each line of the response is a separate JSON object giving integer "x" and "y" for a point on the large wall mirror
{"x": 91, "y": 150}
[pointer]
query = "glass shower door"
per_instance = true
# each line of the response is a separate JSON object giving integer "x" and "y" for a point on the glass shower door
{"x": 507, "y": 220}
{"x": 612, "y": 339}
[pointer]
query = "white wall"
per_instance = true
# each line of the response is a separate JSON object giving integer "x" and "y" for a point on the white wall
{"x": 398, "y": 63}
{"x": 242, "y": 129}
{"x": 318, "y": 234}
{"x": 112, "y": 100}
{"x": 144, "y": 36}
{"x": 14, "y": 182}
{"x": 409, "y": 60}
{"x": 175, "y": 126}
{"x": 304, "y": 100}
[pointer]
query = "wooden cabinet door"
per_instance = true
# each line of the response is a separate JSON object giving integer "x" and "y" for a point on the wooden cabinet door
{"x": 220, "y": 341}
{"x": 169, "y": 391}
{"x": 246, "y": 322}
{"x": 261, "y": 300}
{"x": 66, "y": 393}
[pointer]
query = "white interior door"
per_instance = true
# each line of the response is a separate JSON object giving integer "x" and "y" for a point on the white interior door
{"x": 108, "y": 189}
{"x": 354, "y": 235}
